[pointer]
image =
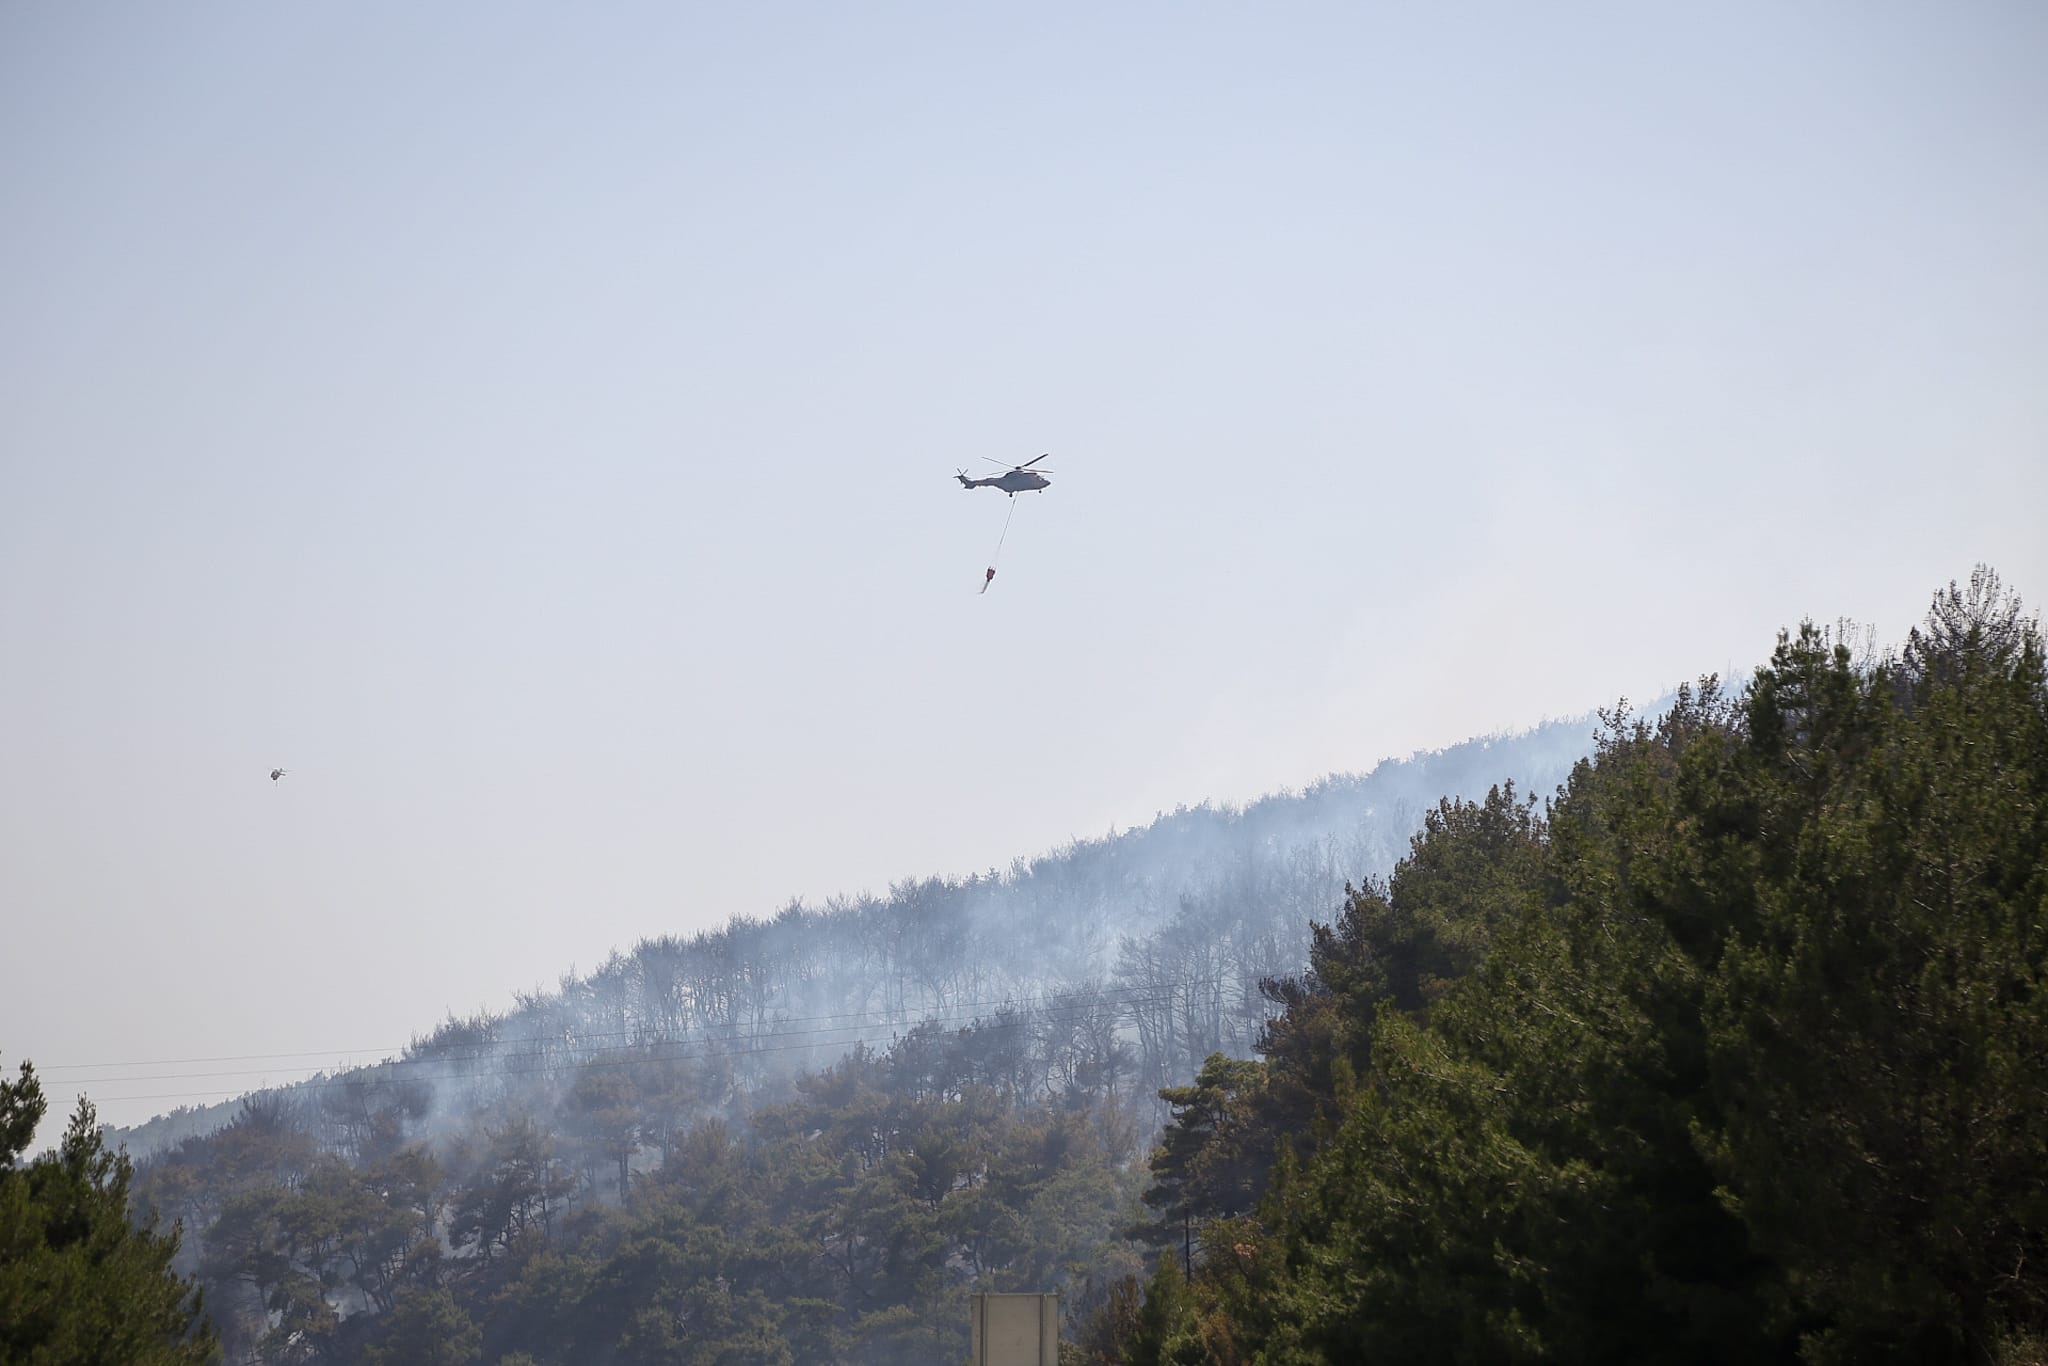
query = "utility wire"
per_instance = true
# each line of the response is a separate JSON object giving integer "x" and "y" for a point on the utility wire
{"x": 497, "y": 1048}
{"x": 682, "y": 1050}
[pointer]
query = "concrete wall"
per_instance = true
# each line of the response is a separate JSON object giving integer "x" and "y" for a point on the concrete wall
{"x": 1016, "y": 1330}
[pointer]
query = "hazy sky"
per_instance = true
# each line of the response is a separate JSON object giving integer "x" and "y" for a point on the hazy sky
{"x": 534, "y": 426}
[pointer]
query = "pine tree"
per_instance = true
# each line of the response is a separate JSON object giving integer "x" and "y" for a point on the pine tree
{"x": 79, "y": 1282}
{"x": 1167, "y": 1332}
{"x": 1880, "y": 1041}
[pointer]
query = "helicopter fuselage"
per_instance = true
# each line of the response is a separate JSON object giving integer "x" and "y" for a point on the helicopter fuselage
{"x": 1010, "y": 481}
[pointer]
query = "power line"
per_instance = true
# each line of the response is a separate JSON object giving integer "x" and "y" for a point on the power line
{"x": 225, "y": 1057}
{"x": 567, "y": 1065}
{"x": 497, "y": 1048}
{"x": 701, "y": 1049}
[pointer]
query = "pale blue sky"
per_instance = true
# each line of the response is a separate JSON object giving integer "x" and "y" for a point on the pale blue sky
{"x": 533, "y": 425}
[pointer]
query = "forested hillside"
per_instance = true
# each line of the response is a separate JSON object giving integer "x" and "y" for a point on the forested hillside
{"x": 1733, "y": 1049}
{"x": 1168, "y": 928}
{"x": 1736, "y": 1051}
{"x": 846, "y": 1115}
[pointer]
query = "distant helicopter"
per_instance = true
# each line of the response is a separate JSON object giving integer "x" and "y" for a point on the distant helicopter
{"x": 277, "y": 773}
{"x": 1013, "y": 481}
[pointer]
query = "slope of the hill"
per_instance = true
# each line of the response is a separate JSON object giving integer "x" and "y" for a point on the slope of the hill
{"x": 1157, "y": 935}
{"x": 797, "y": 1138}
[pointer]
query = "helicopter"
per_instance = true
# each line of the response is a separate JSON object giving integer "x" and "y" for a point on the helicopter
{"x": 1014, "y": 480}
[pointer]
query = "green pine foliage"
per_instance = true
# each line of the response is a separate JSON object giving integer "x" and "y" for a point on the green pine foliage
{"x": 1880, "y": 1038}
{"x": 1738, "y": 1050}
{"x": 80, "y": 1282}
{"x": 1168, "y": 1330}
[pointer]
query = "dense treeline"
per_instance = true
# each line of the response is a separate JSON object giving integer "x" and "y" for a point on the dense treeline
{"x": 1737, "y": 1050}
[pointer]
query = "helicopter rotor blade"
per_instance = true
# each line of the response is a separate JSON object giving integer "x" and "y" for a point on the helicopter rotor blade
{"x": 1033, "y": 461}
{"x": 1004, "y": 463}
